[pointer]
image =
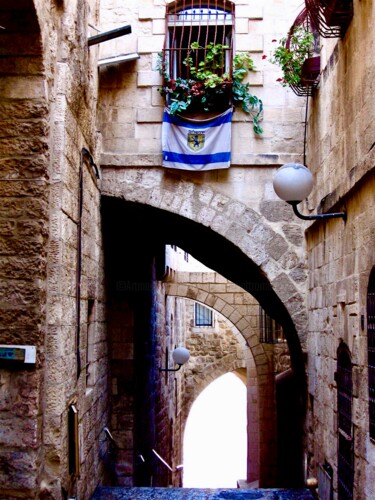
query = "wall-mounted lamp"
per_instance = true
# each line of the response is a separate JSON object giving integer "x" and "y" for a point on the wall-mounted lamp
{"x": 293, "y": 183}
{"x": 180, "y": 356}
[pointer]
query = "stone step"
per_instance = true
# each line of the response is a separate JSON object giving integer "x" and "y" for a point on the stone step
{"x": 104, "y": 493}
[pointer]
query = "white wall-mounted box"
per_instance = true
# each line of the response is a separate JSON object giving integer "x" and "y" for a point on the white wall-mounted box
{"x": 18, "y": 353}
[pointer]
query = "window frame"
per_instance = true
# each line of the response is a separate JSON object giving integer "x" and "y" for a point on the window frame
{"x": 270, "y": 330}
{"x": 206, "y": 312}
{"x": 179, "y": 31}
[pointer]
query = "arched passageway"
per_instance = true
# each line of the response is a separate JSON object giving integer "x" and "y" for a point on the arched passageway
{"x": 135, "y": 236}
{"x": 215, "y": 435}
{"x": 134, "y": 224}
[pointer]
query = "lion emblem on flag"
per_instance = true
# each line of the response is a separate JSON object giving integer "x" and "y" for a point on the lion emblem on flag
{"x": 195, "y": 140}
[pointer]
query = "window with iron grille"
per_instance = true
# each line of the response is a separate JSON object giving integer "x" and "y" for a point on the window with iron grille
{"x": 193, "y": 27}
{"x": 203, "y": 315}
{"x": 345, "y": 472}
{"x": 371, "y": 350}
{"x": 190, "y": 21}
{"x": 270, "y": 331}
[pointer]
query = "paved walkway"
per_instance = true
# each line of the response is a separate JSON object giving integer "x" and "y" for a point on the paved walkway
{"x": 199, "y": 494}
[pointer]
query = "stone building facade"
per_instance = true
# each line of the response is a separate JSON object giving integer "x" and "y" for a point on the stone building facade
{"x": 86, "y": 212}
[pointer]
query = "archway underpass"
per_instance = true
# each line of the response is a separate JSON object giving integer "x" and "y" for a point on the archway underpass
{"x": 214, "y": 451}
{"x": 134, "y": 238}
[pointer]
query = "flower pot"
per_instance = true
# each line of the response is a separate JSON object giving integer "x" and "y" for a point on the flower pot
{"x": 310, "y": 71}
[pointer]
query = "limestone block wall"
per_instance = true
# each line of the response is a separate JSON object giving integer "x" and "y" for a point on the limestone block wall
{"x": 76, "y": 346}
{"x": 341, "y": 122}
{"x": 340, "y": 254}
{"x": 341, "y": 259}
{"x": 48, "y": 96}
{"x": 24, "y": 228}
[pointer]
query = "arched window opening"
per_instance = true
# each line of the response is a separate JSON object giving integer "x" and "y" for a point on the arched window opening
{"x": 345, "y": 432}
{"x": 215, "y": 442}
{"x": 371, "y": 351}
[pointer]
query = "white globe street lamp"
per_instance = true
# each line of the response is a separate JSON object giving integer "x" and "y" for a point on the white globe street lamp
{"x": 180, "y": 356}
{"x": 293, "y": 182}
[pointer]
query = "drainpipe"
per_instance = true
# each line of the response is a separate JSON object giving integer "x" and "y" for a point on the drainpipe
{"x": 84, "y": 152}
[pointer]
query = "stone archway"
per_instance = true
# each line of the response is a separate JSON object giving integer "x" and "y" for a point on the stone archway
{"x": 276, "y": 257}
{"x": 280, "y": 293}
{"x": 260, "y": 376}
{"x": 129, "y": 223}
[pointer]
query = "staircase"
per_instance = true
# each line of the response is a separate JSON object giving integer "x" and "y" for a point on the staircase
{"x": 118, "y": 493}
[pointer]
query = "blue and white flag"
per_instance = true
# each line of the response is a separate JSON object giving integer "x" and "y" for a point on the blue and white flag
{"x": 196, "y": 144}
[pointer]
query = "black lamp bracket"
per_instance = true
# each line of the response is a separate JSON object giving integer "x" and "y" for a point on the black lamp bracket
{"x": 335, "y": 215}
{"x": 170, "y": 369}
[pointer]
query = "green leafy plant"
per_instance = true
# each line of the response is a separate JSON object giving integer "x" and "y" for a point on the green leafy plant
{"x": 249, "y": 103}
{"x": 291, "y": 53}
{"x": 208, "y": 88}
{"x": 212, "y": 64}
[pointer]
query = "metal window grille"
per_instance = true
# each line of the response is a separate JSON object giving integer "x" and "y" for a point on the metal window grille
{"x": 203, "y": 315}
{"x": 191, "y": 21}
{"x": 371, "y": 350}
{"x": 331, "y": 17}
{"x": 270, "y": 331}
{"x": 345, "y": 476}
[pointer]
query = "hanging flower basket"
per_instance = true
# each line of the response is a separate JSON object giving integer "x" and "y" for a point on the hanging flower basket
{"x": 298, "y": 56}
{"x": 331, "y": 17}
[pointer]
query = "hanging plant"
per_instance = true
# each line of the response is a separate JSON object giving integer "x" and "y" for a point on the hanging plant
{"x": 208, "y": 88}
{"x": 291, "y": 53}
{"x": 242, "y": 97}
{"x": 297, "y": 54}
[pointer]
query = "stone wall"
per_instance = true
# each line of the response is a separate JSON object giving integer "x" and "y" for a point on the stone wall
{"x": 48, "y": 102}
{"x": 340, "y": 254}
{"x": 75, "y": 348}
{"x": 24, "y": 229}
{"x": 341, "y": 263}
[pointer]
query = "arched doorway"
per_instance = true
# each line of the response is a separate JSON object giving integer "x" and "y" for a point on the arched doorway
{"x": 215, "y": 436}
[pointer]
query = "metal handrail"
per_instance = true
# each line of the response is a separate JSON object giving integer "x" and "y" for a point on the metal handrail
{"x": 162, "y": 460}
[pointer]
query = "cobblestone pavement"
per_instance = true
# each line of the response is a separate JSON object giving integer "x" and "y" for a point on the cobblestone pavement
{"x": 199, "y": 494}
